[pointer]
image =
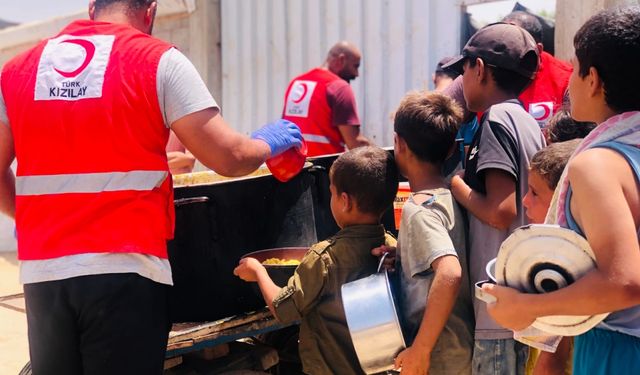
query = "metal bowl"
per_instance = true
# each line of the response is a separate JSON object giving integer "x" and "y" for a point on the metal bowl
{"x": 490, "y": 269}
{"x": 542, "y": 258}
{"x": 373, "y": 322}
{"x": 279, "y": 273}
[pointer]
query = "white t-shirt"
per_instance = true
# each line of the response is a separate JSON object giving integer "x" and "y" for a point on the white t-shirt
{"x": 181, "y": 92}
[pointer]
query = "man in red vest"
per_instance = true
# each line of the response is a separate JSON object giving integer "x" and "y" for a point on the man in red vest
{"x": 322, "y": 103}
{"x": 87, "y": 115}
{"x": 546, "y": 94}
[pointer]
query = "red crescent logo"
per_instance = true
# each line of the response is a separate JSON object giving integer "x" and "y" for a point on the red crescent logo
{"x": 90, "y": 50}
{"x": 305, "y": 89}
{"x": 547, "y": 111}
{"x": 545, "y": 106}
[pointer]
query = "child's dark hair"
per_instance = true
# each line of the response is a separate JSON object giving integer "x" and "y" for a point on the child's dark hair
{"x": 428, "y": 123}
{"x": 610, "y": 43}
{"x": 507, "y": 80}
{"x": 369, "y": 175}
{"x": 550, "y": 161}
{"x": 562, "y": 127}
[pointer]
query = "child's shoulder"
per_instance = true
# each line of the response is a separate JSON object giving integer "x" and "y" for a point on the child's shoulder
{"x": 599, "y": 165}
{"x": 508, "y": 111}
{"x": 510, "y": 119}
{"x": 435, "y": 204}
{"x": 322, "y": 246}
{"x": 432, "y": 199}
{"x": 317, "y": 258}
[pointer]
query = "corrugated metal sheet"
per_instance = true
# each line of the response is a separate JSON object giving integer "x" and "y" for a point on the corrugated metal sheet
{"x": 265, "y": 43}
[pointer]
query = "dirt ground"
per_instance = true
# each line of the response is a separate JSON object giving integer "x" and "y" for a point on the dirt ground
{"x": 14, "y": 348}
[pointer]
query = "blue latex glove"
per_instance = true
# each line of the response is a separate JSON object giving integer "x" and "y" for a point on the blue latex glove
{"x": 280, "y": 136}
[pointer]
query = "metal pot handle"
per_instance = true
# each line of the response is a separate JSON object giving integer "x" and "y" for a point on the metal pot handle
{"x": 185, "y": 201}
{"x": 317, "y": 168}
{"x": 382, "y": 258}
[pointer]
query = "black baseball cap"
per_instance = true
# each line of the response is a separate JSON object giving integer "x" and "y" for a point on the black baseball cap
{"x": 503, "y": 45}
{"x": 445, "y": 61}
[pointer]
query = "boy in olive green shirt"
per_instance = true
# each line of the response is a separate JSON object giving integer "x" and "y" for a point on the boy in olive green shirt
{"x": 363, "y": 185}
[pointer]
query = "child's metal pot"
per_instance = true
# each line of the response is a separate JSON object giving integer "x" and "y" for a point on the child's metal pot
{"x": 373, "y": 321}
{"x": 542, "y": 258}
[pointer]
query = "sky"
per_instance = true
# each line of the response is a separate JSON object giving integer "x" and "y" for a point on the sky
{"x": 35, "y": 10}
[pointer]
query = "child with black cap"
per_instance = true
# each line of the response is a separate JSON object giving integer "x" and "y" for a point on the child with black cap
{"x": 498, "y": 63}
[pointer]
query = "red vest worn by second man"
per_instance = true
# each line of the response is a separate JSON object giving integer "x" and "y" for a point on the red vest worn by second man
{"x": 306, "y": 105}
{"x": 544, "y": 97}
{"x": 90, "y": 142}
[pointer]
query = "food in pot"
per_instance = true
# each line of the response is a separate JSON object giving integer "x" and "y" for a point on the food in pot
{"x": 208, "y": 177}
{"x": 281, "y": 262}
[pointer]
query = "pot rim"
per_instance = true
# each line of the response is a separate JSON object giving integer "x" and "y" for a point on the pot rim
{"x": 227, "y": 180}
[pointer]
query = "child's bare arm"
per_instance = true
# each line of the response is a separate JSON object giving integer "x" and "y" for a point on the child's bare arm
{"x": 440, "y": 301}
{"x": 498, "y": 207}
{"x": 250, "y": 269}
{"x": 268, "y": 289}
{"x": 604, "y": 189}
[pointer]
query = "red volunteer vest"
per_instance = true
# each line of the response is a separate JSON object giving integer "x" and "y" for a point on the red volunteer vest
{"x": 306, "y": 105}
{"x": 544, "y": 96}
{"x": 90, "y": 143}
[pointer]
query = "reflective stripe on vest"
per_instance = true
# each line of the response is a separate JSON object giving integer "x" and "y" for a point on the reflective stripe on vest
{"x": 89, "y": 182}
{"x": 318, "y": 139}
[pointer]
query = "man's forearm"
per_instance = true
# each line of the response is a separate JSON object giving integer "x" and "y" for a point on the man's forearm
{"x": 220, "y": 148}
{"x": 359, "y": 141}
{"x": 8, "y": 193}
{"x": 243, "y": 156}
{"x": 352, "y": 136}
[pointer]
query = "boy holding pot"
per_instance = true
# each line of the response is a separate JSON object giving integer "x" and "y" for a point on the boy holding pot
{"x": 363, "y": 185}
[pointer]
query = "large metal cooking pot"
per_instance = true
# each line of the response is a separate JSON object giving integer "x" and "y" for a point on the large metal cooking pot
{"x": 373, "y": 321}
{"x": 216, "y": 224}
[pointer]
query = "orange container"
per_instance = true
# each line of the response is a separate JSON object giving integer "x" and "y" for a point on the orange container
{"x": 288, "y": 164}
{"x": 404, "y": 191}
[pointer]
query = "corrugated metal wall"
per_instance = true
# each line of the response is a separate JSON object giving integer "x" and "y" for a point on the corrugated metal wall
{"x": 265, "y": 43}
